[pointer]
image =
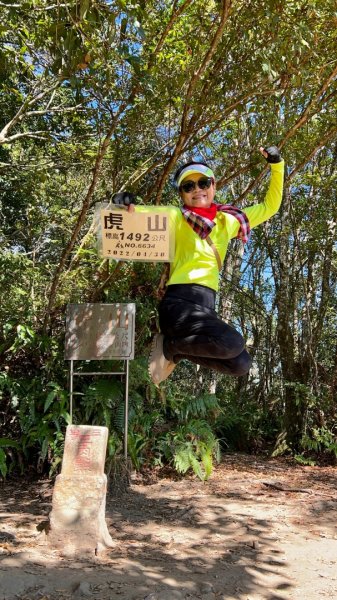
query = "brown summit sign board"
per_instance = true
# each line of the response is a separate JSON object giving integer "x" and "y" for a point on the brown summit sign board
{"x": 143, "y": 236}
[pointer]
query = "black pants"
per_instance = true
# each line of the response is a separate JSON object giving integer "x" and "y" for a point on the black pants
{"x": 193, "y": 331}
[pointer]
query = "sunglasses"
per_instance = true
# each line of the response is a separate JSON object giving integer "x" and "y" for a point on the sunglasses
{"x": 204, "y": 183}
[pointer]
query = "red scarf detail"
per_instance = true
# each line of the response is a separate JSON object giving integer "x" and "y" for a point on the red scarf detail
{"x": 209, "y": 212}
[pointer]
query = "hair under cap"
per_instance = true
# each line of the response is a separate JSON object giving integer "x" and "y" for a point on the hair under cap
{"x": 196, "y": 168}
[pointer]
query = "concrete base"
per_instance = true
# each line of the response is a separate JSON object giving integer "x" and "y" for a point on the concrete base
{"x": 77, "y": 519}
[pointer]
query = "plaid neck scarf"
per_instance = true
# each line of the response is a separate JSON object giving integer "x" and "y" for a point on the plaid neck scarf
{"x": 203, "y": 226}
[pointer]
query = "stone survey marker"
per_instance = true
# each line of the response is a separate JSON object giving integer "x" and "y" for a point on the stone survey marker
{"x": 77, "y": 519}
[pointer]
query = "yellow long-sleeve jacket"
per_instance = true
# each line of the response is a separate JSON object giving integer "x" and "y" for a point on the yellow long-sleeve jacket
{"x": 194, "y": 260}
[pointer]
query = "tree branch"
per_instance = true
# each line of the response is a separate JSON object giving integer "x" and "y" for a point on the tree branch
{"x": 51, "y": 110}
{"x": 95, "y": 294}
{"x": 22, "y": 111}
{"x": 226, "y": 4}
{"x": 86, "y": 204}
{"x": 39, "y": 135}
{"x": 35, "y": 8}
{"x": 81, "y": 218}
{"x": 306, "y": 115}
{"x": 174, "y": 16}
{"x": 312, "y": 104}
{"x": 329, "y": 134}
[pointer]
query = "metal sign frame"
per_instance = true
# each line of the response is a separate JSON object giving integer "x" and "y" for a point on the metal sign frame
{"x": 74, "y": 373}
{"x": 124, "y": 372}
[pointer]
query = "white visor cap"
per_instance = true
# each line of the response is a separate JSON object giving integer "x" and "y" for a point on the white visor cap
{"x": 197, "y": 168}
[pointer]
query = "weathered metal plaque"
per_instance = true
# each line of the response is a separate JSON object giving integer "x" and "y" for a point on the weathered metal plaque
{"x": 100, "y": 331}
{"x": 143, "y": 236}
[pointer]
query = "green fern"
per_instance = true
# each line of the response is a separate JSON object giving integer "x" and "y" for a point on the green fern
{"x": 136, "y": 445}
{"x": 106, "y": 391}
{"x": 207, "y": 462}
{"x": 320, "y": 441}
{"x": 194, "y": 447}
{"x": 3, "y": 465}
{"x": 182, "y": 458}
{"x": 196, "y": 466}
{"x": 302, "y": 460}
{"x": 201, "y": 406}
{"x": 186, "y": 458}
{"x": 100, "y": 401}
{"x": 119, "y": 417}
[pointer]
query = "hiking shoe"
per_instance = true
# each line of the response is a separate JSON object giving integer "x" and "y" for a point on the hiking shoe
{"x": 159, "y": 367}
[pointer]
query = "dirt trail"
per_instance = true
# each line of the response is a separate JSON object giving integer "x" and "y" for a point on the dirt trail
{"x": 258, "y": 530}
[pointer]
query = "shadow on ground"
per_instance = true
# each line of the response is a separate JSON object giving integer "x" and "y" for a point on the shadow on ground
{"x": 174, "y": 539}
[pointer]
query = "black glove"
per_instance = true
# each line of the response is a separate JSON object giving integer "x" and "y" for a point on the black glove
{"x": 274, "y": 155}
{"x": 123, "y": 198}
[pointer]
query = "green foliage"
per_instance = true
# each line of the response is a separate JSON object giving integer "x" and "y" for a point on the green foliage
{"x": 302, "y": 460}
{"x": 191, "y": 446}
{"x": 320, "y": 442}
{"x": 34, "y": 406}
{"x": 5, "y": 443}
{"x": 73, "y": 73}
{"x": 205, "y": 405}
{"x": 247, "y": 428}
{"x": 100, "y": 403}
{"x": 136, "y": 444}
